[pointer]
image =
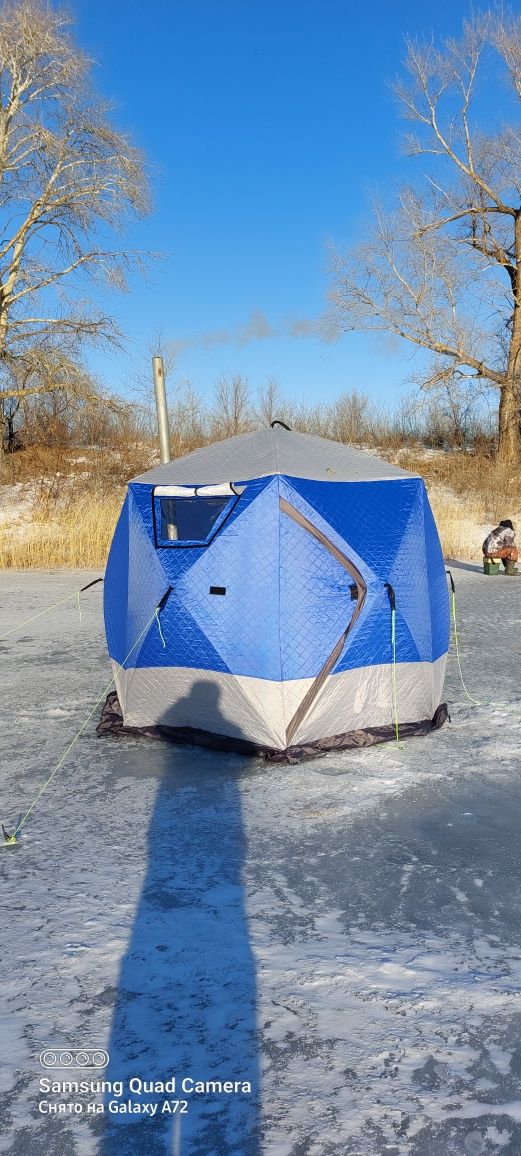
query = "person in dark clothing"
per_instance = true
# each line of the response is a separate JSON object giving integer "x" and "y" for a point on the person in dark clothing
{"x": 501, "y": 543}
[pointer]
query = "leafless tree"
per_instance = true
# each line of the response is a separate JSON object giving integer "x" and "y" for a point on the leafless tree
{"x": 443, "y": 270}
{"x": 68, "y": 181}
{"x": 270, "y": 404}
{"x": 232, "y": 399}
{"x": 351, "y": 416}
{"x": 188, "y": 419}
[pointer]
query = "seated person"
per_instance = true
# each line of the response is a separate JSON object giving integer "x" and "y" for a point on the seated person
{"x": 500, "y": 543}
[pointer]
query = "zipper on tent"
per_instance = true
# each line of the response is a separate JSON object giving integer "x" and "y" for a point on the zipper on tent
{"x": 361, "y": 588}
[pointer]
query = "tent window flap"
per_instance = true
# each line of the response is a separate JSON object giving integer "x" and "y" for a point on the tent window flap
{"x": 188, "y": 520}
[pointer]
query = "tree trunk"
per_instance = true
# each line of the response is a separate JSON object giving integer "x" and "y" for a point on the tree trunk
{"x": 509, "y": 443}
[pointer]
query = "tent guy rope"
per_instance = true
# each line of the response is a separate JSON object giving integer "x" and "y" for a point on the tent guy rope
{"x": 474, "y": 701}
{"x": 11, "y": 839}
{"x": 47, "y": 610}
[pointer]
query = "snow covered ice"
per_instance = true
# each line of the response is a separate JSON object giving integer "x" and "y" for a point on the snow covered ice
{"x": 342, "y": 935}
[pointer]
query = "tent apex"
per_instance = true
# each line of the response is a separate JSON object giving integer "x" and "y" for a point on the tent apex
{"x": 277, "y": 450}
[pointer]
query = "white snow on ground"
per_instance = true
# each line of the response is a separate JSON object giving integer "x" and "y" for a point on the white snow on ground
{"x": 16, "y": 504}
{"x": 344, "y": 933}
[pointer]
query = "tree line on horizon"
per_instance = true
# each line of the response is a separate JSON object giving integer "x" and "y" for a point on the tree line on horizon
{"x": 50, "y": 421}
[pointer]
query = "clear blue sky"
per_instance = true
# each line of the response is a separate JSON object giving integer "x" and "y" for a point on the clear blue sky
{"x": 265, "y": 123}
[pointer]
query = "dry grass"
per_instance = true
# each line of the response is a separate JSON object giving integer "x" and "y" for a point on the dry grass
{"x": 80, "y": 535}
{"x": 43, "y": 524}
{"x": 72, "y": 538}
{"x": 491, "y": 491}
{"x": 53, "y": 527}
{"x": 460, "y": 524}
{"x": 54, "y": 470}
{"x": 468, "y": 492}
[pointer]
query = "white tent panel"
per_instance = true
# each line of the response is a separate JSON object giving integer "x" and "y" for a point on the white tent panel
{"x": 262, "y": 709}
{"x": 363, "y": 698}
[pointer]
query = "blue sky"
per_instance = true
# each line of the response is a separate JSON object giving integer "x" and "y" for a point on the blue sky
{"x": 266, "y": 123}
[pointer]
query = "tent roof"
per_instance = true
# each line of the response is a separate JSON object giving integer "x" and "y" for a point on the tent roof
{"x": 273, "y": 451}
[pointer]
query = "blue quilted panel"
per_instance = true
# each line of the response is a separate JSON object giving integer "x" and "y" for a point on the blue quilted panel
{"x": 370, "y": 516}
{"x": 410, "y": 578}
{"x": 319, "y": 619}
{"x": 115, "y": 587}
{"x": 185, "y": 642}
{"x": 243, "y": 624}
{"x": 287, "y": 598}
{"x": 315, "y": 601}
{"x": 383, "y": 523}
{"x": 438, "y": 590}
{"x": 210, "y": 639}
{"x": 134, "y": 584}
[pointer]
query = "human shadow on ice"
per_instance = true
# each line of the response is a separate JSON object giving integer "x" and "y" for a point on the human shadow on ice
{"x": 186, "y": 1001}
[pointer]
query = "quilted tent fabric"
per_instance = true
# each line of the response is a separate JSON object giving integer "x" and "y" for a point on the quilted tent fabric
{"x": 275, "y": 632}
{"x": 273, "y": 451}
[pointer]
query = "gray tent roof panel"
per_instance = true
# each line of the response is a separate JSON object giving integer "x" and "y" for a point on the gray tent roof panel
{"x": 273, "y": 451}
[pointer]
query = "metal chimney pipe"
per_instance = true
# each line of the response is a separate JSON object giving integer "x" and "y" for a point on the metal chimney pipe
{"x": 162, "y": 412}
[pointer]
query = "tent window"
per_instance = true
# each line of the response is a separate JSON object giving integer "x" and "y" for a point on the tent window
{"x": 189, "y": 519}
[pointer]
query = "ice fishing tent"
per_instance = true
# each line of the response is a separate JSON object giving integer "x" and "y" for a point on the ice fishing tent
{"x": 248, "y": 599}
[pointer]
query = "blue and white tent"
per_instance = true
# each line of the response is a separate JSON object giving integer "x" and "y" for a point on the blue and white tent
{"x": 249, "y": 591}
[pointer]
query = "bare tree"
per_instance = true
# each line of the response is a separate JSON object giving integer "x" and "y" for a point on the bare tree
{"x": 270, "y": 404}
{"x": 188, "y": 419}
{"x": 351, "y": 416}
{"x": 232, "y": 399}
{"x": 68, "y": 180}
{"x": 443, "y": 271}
{"x": 9, "y": 438}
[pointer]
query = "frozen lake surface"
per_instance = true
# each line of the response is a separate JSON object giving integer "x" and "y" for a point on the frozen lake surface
{"x": 343, "y": 935}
